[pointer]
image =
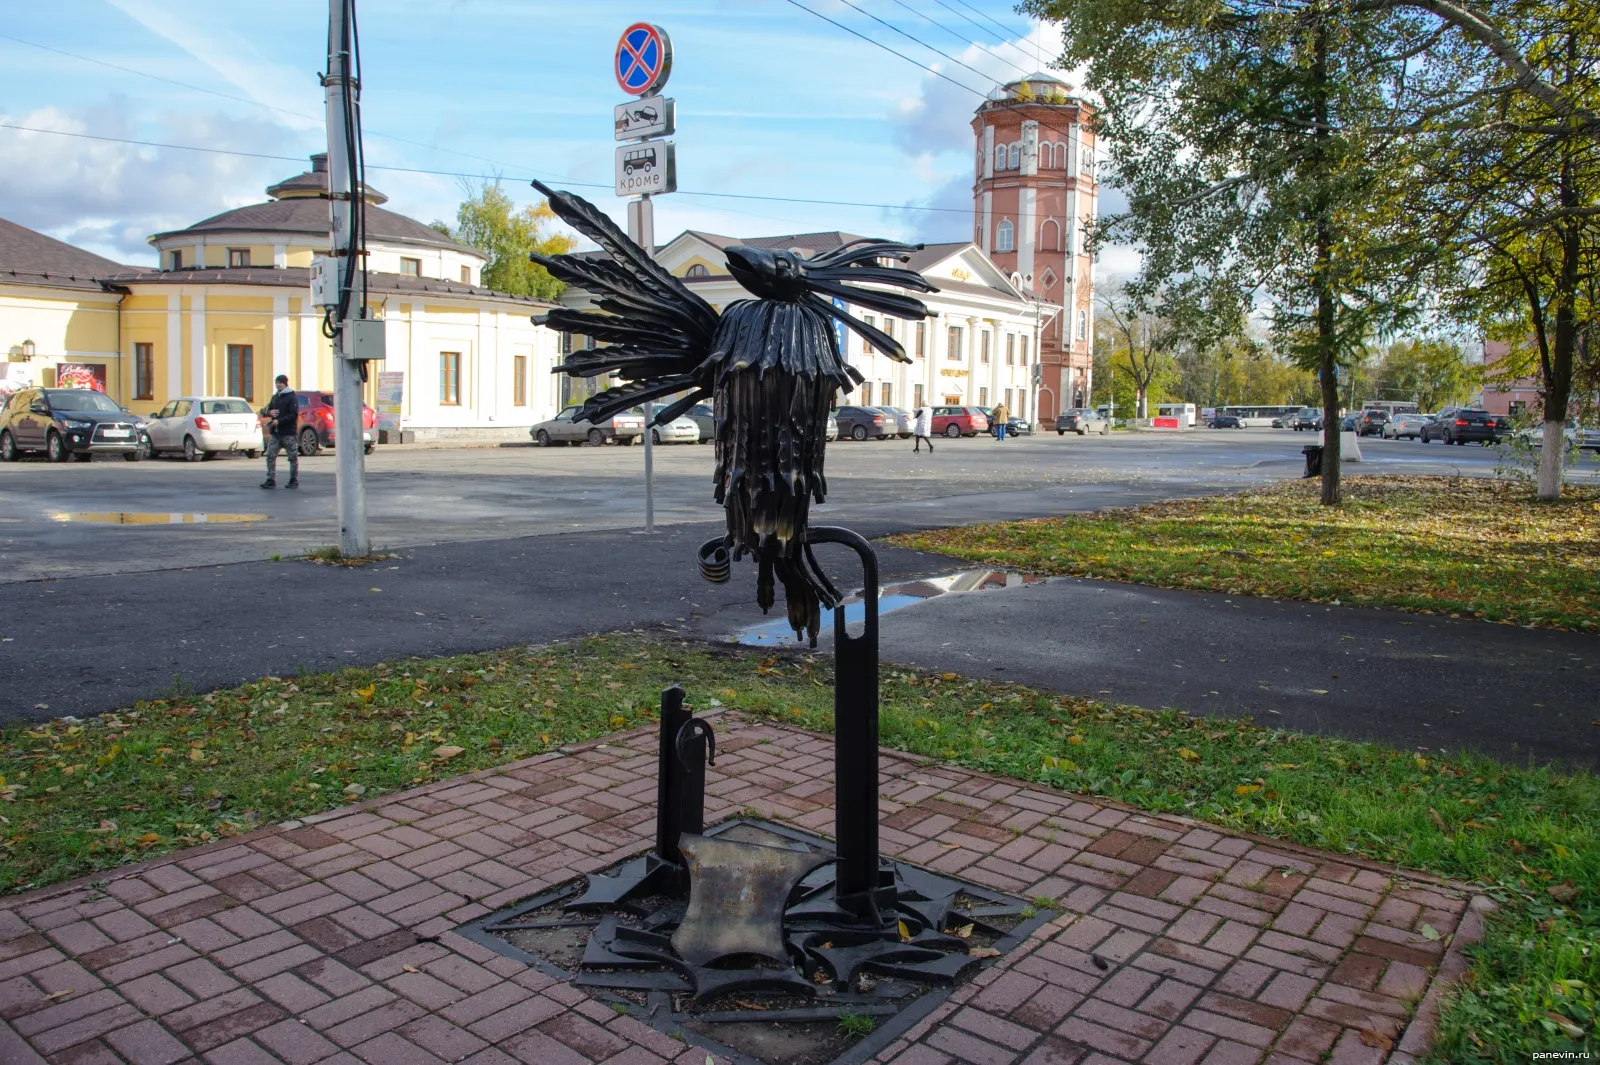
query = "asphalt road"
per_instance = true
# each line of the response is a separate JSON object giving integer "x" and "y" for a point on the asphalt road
{"x": 498, "y": 547}
{"x": 111, "y": 516}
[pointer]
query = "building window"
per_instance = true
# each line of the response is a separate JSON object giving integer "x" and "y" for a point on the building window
{"x": 953, "y": 351}
{"x": 983, "y": 397}
{"x": 450, "y": 378}
{"x": 999, "y": 156}
{"x": 1024, "y": 351}
{"x": 916, "y": 395}
{"x": 238, "y": 257}
{"x": 922, "y": 339}
{"x": 242, "y": 371}
{"x": 1050, "y": 235}
{"x": 1011, "y": 349}
{"x": 144, "y": 372}
{"x": 176, "y": 259}
{"x": 566, "y": 344}
{"x": 1016, "y": 156}
{"x": 886, "y": 394}
{"x": 466, "y": 275}
{"x": 1022, "y": 403}
{"x": 1083, "y": 325}
{"x": 519, "y": 381}
{"x": 1005, "y": 236}
{"x": 697, "y": 270}
{"x": 983, "y": 345}
{"x": 411, "y": 267}
{"x": 872, "y": 323}
{"x": 1008, "y": 399}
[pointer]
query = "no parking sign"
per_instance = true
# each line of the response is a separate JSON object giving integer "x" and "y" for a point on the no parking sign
{"x": 644, "y": 59}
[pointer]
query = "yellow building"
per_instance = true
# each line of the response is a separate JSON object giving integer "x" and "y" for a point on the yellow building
{"x": 228, "y": 309}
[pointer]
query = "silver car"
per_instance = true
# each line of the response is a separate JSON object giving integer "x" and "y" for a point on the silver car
{"x": 681, "y": 430}
{"x": 1406, "y": 426}
{"x": 202, "y": 427}
{"x": 903, "y": 421}
{"x": 624, "y": 428}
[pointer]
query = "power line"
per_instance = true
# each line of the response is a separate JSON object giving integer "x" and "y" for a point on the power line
{"x": 484, "y": 177}
{"x": 1002, "y": 28}
{"x": 963, "y": 38}
{"x": 918, "y": 40}
{"x": 879, "y": 44}
{"x": 1005, "y": 38}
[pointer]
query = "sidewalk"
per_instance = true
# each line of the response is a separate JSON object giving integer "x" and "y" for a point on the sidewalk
{"x": 332, "y": 942}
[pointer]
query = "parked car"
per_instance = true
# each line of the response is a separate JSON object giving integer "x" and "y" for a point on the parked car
{"x": 1083, "y": 421}
{"x": 624, "y": 428}
{"x": 1307, "y": 418}
{"x": 1371, "y": 422}
{"x": 959, "y": 421}
{"x": 681, "y": 430}
{"x": 1015, "y": 426}
{"x": 68, "y": 423}
{"x": 1576, "y": 436}
{"x": 902, "y": 421}
{"x": 862, "y": 423}
{"x": 316, "y": 423}
{"x": 705, "y": 418}
{"x": 1226, "y": 421}
{"x": 1457, "y": 425}
{"x": 202, "y": 427}
{"x": 1405, "y": 426}
{"x": 833, "y": 426}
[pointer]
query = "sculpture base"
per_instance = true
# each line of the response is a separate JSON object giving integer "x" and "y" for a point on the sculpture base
{"x": 758, "y": 1007}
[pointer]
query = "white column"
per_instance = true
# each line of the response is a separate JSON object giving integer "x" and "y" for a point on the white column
{"x": 1030, "y": 148}
{"x": 197, "y": 344}
{"x": 280, "y": 335}
{"x": 1026, "y": 233}
{"x": 280, "y": 255}
{"x": 971, "y": 390}
{"x": 174, "y": 344}
{"x": 987, "y": 237}
{"x": 1073, "y": 142}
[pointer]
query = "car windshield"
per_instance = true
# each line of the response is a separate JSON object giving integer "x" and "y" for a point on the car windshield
{"x": 76, "y": 399}
{"x": 224, "y": 406}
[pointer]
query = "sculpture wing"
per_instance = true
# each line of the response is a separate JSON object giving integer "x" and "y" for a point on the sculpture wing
{"x": 839, "y": 272}
{"x": 658, "y": 333}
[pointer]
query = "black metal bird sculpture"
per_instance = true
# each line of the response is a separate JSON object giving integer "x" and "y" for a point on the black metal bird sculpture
{"x": 771, "y": 367}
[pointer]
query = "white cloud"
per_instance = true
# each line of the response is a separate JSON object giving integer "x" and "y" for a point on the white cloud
{"x": 108, "y": 197}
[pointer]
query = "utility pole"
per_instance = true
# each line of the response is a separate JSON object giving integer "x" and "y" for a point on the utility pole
{"x": 642, "y": 228}
{"x": 346, "y": 251}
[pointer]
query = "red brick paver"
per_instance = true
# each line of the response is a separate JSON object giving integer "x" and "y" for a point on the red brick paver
{"x": 332, "y": 943}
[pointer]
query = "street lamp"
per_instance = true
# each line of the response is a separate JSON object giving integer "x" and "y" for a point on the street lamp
{"x": 28, "y": 350}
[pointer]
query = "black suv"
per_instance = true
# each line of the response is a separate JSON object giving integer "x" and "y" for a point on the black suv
{"x": 1457, "y": 425}
{"x": 1371, "y": 422}
{"x": 68, "y": 423}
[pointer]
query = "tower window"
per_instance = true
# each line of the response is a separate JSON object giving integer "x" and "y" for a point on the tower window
{"x": 1083, "y": 325}
{"x": 1016, "y": 156}
{"x": 1005, "y": 236}
{"x": 1000, "y": 157}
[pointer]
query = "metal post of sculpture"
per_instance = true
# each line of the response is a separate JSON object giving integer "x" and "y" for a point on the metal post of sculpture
{"x": 773, "y": 369}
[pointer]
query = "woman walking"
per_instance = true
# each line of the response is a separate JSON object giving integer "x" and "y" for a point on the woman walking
{"x": 922, "y": 429}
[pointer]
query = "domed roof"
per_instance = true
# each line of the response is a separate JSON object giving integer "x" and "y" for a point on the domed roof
{"x": 299, "y": 209}
{"x": 1039, "y": 83}
{"x": 314, "y": 182}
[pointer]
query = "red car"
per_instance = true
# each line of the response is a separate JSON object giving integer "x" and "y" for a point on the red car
{"x": 959, "y": 421}
{"x": 316, "y": 423}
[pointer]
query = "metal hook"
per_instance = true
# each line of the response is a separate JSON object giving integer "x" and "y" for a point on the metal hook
{"x": 686, "y": 735}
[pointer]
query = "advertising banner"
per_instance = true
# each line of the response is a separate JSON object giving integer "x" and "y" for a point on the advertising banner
{"x": 81, "y": 375}
{"x": 391, "y": 398}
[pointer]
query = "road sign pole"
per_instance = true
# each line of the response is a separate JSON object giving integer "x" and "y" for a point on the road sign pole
{"x": 641, "y": 227}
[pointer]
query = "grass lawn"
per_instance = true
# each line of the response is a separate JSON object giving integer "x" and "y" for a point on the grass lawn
{"x": 1465, "y": 547}
{"x": 87, "y": 796}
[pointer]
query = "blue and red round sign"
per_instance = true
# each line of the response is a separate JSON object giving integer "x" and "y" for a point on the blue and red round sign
{"x": 644, "y": 59}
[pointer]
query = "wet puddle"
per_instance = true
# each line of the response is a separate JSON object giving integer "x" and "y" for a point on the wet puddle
{"x": 776, "y": 631}
{"x": 128, "y": 517}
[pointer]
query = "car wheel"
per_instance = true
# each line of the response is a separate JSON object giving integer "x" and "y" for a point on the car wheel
{"x": 309, "y": 444}
{"x": 596, "y": 438}
{"x": 56, "y": 448}
{"x": 1061, "y": 432}
{"x": 1105, "y": 430}
{"x": 367, "y": 449}
{"x": 252, "y": 454}
{"x": 655, "y": 436}
{"x": 858, "y": 432}
{"x": 8, "y": 448}
{"x": 952, "y": 431}
{"x": 1083, "y": 432}
{"x": 191, "y": 450}
{"x": 542, "y": 438}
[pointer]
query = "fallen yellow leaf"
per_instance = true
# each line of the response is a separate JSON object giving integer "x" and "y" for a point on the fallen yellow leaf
{"x": 447, "y": 752}
{"x": 1247, "y": 789}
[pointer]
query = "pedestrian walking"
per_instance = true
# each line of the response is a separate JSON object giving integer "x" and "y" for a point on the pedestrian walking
{"x": 922, "y": 429}
{"x": 1000, "y": 417}
{"x": 281, "y": 416}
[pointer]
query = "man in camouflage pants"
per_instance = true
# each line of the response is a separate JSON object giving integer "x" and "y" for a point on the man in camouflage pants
{"x": 283, "y": 433}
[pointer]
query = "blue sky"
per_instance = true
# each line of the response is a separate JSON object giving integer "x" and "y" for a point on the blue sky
{"x": 771, "y": 101}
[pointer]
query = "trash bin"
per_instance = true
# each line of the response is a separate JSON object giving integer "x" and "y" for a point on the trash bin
{"x": 1313, "y": 454}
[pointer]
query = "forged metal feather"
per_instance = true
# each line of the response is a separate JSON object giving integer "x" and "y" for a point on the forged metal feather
{"x": 770, "y": 365}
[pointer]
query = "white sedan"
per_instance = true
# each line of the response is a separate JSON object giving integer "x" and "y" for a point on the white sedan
{"x": 201, "y": 427}
{"x": 684, "y": 430}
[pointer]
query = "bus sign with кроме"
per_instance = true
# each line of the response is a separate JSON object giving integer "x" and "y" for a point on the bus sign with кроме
{"x": 647, "y": 167}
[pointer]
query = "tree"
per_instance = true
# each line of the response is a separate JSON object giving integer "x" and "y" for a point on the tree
{"x": 1243, "y": 132}
{"x": 1431, "y": 372}
{"x": 488, "y": 220}
{"x": 1146, "y": 333}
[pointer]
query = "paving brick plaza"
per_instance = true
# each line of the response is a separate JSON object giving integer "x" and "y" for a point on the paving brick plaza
{"x": 332, "y": 943}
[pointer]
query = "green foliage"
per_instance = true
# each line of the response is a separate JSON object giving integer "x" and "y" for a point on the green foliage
{"x": 1429, "y": 371}
{"x": 489, "y": 221}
